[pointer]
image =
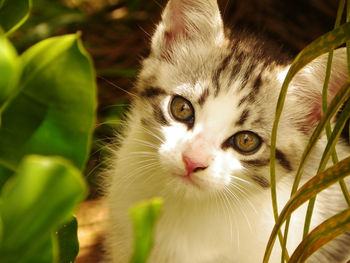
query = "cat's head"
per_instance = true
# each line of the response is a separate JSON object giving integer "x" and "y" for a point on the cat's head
{"x": 210, "y": 100}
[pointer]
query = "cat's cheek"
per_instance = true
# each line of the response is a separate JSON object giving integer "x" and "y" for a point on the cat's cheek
{"x": 171, "y": 159}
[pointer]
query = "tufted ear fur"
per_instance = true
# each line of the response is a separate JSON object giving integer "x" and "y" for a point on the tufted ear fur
{"x": 304, "y": 99}
{"x": 185, "y": 23}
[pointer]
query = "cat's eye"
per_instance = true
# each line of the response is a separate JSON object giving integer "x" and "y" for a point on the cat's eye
{"x": 246, "y": 142}
{"x": 182, "y": 110}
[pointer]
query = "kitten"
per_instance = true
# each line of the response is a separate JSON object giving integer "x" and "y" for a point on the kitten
{"x": 198, "y": 135}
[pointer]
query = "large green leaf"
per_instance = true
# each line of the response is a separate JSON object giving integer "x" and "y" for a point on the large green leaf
{"x": 41, "y": 196}
{"x": 68, "y": 242}
{"x": 54, "y": 112}
{"x": 321, "y": 235}
{"x": 13, "y": 13}
{"x": 144, "y": 216}
{"x": 9, "y": 68}
{"x": 305, "y": 193}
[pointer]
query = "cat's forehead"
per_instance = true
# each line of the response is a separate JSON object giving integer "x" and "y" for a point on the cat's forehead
{"x": 228, "y": 68}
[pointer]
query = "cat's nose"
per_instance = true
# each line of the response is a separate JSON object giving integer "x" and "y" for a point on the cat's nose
{"x": 192, "y": 165}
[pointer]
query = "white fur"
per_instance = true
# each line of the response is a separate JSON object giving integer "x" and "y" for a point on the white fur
{"x": 224, "y": 216}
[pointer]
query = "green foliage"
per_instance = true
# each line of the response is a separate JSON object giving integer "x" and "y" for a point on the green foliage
{"x": 309, "y": 190}
{"x": 9, "y": 68}
{"x": 338, "y": 224}
{"x": 47, "y": 113}
{"x": 40, "y": 197}
{"x": 321, "y": 235}
{"x": 68, "y": 241}
{"x": 53, "y": 110}
{"x": 144, "y": 216}
{"x": 13, "y": 14}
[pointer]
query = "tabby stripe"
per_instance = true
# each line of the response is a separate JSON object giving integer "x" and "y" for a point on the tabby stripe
{"x": 257, "y": 84}
{"x": 145, "y": 122}
{"x": 243, "y": 118}
{"x": 262, "y": 181}
{"x": 151, "y": 92}
{"x": 259, "y": 121}
{"x": 159, "y": 115}
{"x": 251, "y": 96}
{"x": 218, "y": 72}
{"x": 257, "y": 162}
{"x": 283, "y": 161}
{"x": 244, "y": 99}
{"x": 247, "y": 74}
{"x": 203, "y": 97}
{"x": 237, "y": 67}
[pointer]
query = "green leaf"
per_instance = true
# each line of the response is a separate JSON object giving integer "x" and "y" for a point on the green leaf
{"x": 54, "y": 111}
{"x": 13, "y": 13}
{"x": 5, "y": 174}
{"x": 40, "y": 197}
{"x": 9, "y": 68}
{"x": 144, "y": 216}
{"x": 68, "y": 241}
{"x": 307, "y": 191}
{"x": 321, "y": 235}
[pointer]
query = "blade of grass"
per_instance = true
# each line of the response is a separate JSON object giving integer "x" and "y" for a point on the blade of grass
{"x": 330, "y": 149}
{"x": 327, "y": 77}
{"x": 342, "y": 95}
{"x": 348, "y": 42}
{"x": 307, "y": 191}
{"x": 321, "y": 235}
{"x": 328, "y": 128}
{"x": 318, "y": 47}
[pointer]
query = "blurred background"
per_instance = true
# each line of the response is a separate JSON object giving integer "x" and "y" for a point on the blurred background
{"x": 117, "y": 33}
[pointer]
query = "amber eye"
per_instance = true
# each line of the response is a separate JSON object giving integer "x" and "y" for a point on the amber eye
{"x": 246, "y": 142}
{"x": 182, "y": 110}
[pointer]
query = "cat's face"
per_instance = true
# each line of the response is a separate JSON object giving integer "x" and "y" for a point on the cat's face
{"x": 209, "y": 103}
{"x": 214, "y": 125}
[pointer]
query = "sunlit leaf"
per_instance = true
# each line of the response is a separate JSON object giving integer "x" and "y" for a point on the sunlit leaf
{"x": 9, "y": 68}
{"x": 13, "y": 13}
{"x": 41, "y": 196}
{"x": 54, "y": 112}
{"x": 306, "y": 192}
{"x": 321, "y": 235}
{"x": 144, "y": 216}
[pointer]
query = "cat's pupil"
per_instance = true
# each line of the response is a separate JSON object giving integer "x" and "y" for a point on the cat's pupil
{"x": 246, "y": 139}
{"x": 184, "y": 108}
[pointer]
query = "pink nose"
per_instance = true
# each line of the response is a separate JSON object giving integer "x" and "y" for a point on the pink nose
{"x": 192, "y": 165}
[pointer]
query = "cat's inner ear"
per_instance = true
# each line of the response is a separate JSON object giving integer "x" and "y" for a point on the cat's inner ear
{"x": 305, "y": 92}
{"x": 188, "y": 22}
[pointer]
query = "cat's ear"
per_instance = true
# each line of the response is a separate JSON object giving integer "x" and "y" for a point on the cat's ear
{"x": 304, "y": 96}
{"x": 187, "y": 22}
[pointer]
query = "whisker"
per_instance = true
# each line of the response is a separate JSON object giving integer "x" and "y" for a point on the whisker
{"x": 120, "y": 88}
{"x": 240, "y": 206}
{"x": 148, "y": 131}
{"x": 138, "y": 173}
{"x": 146, "y": 143}
{"x": 227, "y": 213}
{"x": 245, "y": 193}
